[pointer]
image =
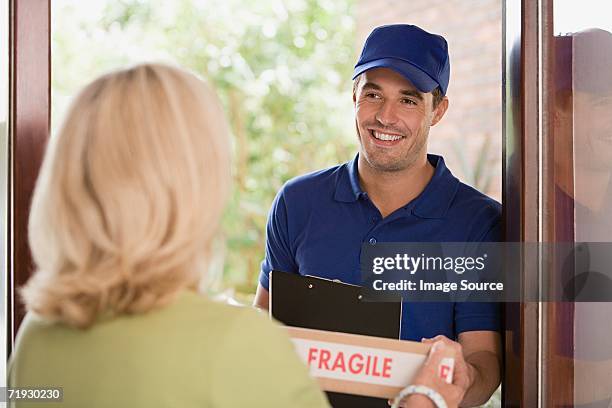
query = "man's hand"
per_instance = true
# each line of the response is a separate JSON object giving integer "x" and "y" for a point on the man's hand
{"x": 429, "y": 376}
{"x": 463, "y": 374}
{"x": 477, "y": 364}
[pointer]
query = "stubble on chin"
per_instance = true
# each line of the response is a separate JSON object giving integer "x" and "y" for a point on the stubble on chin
{"x": 377, "y": 162}
{"x": 383, "y": 166}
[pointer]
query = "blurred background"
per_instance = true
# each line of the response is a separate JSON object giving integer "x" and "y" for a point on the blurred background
{"x": 283, "y": 70}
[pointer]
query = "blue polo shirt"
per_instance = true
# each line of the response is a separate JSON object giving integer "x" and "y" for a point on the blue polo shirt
{"x": 319, "y": 221}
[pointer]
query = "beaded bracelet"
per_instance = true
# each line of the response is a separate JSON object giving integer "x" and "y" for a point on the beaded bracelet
{"x": 434, "y": 396}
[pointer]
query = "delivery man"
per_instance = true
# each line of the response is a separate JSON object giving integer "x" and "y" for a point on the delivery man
{"x": 393, "y": 191}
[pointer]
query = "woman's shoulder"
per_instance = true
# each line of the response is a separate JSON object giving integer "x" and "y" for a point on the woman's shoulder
{"x": 191, "y": 307}
{"x": 190, "y": 315}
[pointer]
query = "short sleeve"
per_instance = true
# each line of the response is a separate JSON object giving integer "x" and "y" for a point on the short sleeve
{"x": 257, "y": 366}
{"x": 278, "y": 249}
{"x": 473, "y": 316}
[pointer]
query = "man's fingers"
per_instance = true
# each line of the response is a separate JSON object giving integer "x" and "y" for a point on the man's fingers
{"x": 438, "y": 351}
{"x": 455, "y": 346}
{"x": 434, "y": 339}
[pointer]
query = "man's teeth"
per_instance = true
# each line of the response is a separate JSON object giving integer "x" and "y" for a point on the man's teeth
{"x": 386, "y": 136}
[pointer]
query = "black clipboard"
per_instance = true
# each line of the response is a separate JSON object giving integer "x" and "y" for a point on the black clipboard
{"x": 323, "y": 304}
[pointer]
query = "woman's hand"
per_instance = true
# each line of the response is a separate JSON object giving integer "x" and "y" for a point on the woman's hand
{"x": 428, "y": 376}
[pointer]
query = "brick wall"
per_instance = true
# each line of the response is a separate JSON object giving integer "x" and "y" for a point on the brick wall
{"x": 472, "y": 124}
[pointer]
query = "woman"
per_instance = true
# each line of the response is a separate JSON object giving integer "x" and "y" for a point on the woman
{"x": 127, "y": 204}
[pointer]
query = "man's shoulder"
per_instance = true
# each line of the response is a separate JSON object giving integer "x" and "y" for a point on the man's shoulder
{"x": 314, "y": 182}
{"x": 469, "y": 197}
{"x": 479, "y": 212}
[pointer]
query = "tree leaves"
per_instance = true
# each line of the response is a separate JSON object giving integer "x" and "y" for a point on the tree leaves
{"x": 281, "y": 68}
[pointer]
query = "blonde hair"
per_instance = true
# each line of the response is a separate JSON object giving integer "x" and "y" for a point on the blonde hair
{"x": 129, "y": 196}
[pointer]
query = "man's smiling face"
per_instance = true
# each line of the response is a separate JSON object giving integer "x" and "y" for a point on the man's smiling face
{"x": 393, "y": 120}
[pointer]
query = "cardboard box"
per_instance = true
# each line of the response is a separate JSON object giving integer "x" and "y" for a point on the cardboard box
{"x": 360, "y": 365}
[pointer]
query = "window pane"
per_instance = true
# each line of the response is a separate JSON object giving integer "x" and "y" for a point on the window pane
{"x": 583, "y": 46}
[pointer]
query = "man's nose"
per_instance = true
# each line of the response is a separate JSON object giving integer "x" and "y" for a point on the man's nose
{"x": 387, "y": 114}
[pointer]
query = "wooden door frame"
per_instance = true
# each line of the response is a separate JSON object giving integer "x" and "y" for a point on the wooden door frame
{"x": 29, "y": 124}
{"x": 536, "y": 372}
{"x": 521, "y": 198}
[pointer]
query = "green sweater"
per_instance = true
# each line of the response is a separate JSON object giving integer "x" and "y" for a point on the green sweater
{"x": 192, "y": 353}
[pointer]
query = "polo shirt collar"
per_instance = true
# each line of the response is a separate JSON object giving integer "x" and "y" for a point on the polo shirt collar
{"x": 348, "y": 189}
{"x": 439, "y": 193}
{"x": 433, "y": 202}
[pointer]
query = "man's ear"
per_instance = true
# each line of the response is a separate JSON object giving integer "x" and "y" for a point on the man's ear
{"x": 439, "y": 111}
{"x": 356, "y": 82}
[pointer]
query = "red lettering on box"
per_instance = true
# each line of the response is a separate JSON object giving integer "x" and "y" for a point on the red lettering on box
{"x": 358, "y": 367}
{"x": 325, "y": 356}
{"x": 374, "y": 366}
{"x": 339, "y": 362}
{"x": 311, "y": 354}
{"x": 387, "y": 367}
{"x": 444, "y": 372}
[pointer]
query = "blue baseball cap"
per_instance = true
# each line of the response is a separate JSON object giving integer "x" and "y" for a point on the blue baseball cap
{"x": 419, "y": 56}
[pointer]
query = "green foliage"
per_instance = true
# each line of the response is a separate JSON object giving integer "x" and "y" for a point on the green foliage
{"x": 281, "y": 68}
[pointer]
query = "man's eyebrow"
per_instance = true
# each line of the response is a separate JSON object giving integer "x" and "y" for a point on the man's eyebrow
{"x": 407, "y": 92}
{"x": 371, "y": 85}
{"x": 412, "y": 92}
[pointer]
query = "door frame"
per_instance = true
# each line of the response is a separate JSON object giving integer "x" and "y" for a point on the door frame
{"x": 29, "y": 124}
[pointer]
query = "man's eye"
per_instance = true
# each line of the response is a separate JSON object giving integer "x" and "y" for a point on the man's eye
{"x": 372, "y": 95}
{"x": 408, "y": 101}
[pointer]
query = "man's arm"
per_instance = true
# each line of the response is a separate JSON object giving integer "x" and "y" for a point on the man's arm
{"x": 477, "y": 364}
{"x": 482, "y": 351}
{"x": 278, "y": 249}
{"x": 262, "y": 298}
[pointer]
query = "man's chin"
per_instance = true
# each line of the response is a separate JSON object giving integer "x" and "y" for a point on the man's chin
{"x": 388, "y": 166}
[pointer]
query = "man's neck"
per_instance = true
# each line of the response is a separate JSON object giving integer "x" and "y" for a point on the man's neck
{"x": 392, "y": 190}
